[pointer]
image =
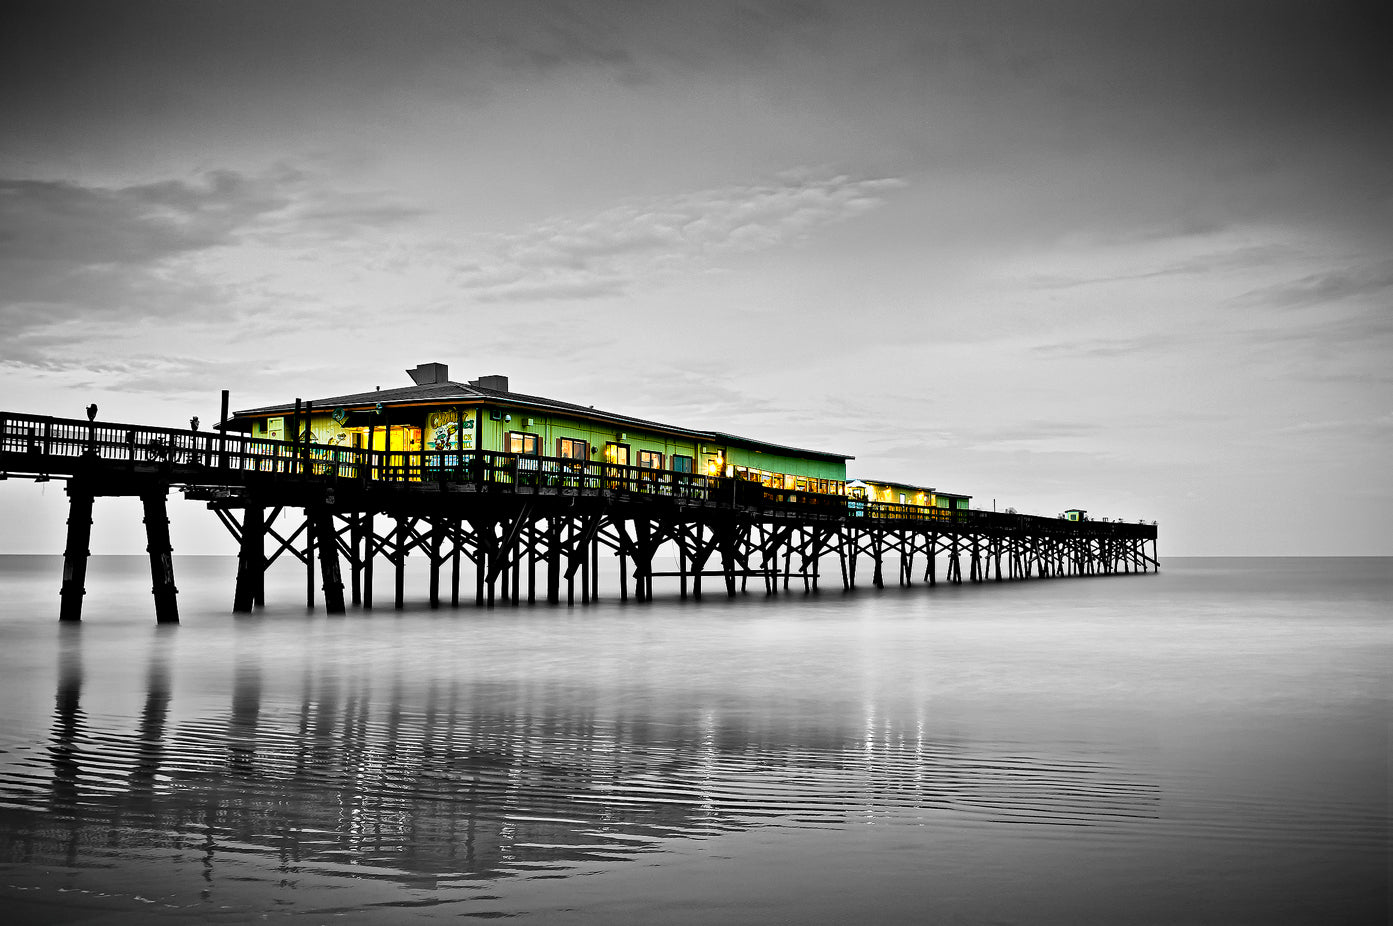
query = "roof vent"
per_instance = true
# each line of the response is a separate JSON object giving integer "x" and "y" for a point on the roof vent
{"x": 497, "y": 383}
{"x": 428, "y": 374}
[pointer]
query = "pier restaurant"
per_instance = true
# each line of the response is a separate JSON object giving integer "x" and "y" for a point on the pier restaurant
{"x": 436, "y": 414}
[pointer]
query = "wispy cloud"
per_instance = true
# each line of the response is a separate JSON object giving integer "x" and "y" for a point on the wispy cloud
{"x": 608, "y": 253}
{"x": 1218, "y": 261}
{"x": 1327, "y": 287}
{"x": 77, "y": 258}
{"x": 1128, "y": 345}
{"x": 1380, "y": 424}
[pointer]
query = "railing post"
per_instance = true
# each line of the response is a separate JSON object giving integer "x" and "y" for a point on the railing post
{"x": 306, "y": 452}
{"x": 222, "y": 434}
{"x": 294, "y": 439}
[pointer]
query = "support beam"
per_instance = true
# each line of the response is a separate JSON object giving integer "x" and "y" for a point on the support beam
{"x": 76, "y": 552}
{"x": 369, "y": 554}
{"x": 355, "y": 559}
{"x": 455, "y": 532}
{"x": 161, "y": 556}
{"x": 399, "y": 561}
{"x": 251, "y": 561}
{"x": 322, "y": 530}
{"x": 436, "y": 539}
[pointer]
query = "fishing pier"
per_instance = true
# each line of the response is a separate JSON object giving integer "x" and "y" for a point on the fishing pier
{"x": 521, "y": 526}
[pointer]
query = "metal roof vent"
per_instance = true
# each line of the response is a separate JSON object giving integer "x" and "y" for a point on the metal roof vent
{"x": 497, "y": 383}
{"x": 428, "y": 374}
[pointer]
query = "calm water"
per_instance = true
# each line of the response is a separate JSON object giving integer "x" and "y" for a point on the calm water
{"x": 1206, "y": 745}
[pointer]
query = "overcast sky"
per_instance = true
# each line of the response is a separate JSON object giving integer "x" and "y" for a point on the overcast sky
{"x": 1135, "y": 257}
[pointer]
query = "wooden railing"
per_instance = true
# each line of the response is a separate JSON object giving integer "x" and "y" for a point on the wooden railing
{"x": 996, "y": 520}
{"x": 63, "y": 445}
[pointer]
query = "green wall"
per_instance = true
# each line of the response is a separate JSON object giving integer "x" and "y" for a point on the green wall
{"x": 478, "y": 422}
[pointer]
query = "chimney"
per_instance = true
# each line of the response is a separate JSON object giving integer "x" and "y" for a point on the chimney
{"x": 495, "y": 382}
{"x": 428, "y": 374}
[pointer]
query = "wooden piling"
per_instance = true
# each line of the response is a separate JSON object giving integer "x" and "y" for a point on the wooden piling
{"x": 399, "y": 562}
{"x": 369, "y": 554}
{"x": 322, "y": 530}
{"x": 76, "y": 551}
{"x": 251, "y": 561}
{"x": 161, "y": 556}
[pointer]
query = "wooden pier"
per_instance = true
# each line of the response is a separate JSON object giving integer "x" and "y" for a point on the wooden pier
{"x": 529, "y": 528}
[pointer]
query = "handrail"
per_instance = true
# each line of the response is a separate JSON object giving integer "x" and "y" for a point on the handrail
{"x": 201, "y": 456}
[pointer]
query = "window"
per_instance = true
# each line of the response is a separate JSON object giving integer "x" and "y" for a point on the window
{"x": 618, "y": 454}
{"x": 521, "y": 442}
{"x": 570, "y": 449}
{"x": 650, "y": 459}
{"x": 681, "y": 464}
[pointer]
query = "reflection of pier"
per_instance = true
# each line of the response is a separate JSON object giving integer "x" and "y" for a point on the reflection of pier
{"x": 523, "y": 530}
{"x": 466, "y": 779}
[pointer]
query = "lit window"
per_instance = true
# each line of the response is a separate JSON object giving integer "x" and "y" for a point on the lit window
{"x": 521, "y": 442}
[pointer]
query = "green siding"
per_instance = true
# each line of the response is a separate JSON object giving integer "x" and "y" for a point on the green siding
{"x": 708, "y": 455}
{"x": 550, "y": 428}
{"x": 781, "y": 463}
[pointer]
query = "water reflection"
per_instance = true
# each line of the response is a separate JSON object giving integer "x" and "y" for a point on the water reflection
{"x": 427, "y": 780}
{"x": 149, "y": 742}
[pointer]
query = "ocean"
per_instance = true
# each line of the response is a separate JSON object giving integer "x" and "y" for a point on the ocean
{"x": 1209, "y": 744}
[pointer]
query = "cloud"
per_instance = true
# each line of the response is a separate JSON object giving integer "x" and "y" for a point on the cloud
{"x": 608, "y": 253}
{"x": 73, "y": 253}
{"x": 1219, "y": 261}
{"x": 1362, "y": 427}
{"x": 1130, "y": 345}
{"x": 60, "y": 222}
{"x": 1325, "y": 288}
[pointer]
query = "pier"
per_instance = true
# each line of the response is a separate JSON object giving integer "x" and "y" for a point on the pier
{"x": 522, "y": 527}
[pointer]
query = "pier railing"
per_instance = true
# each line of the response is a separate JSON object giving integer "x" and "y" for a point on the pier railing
{"x": 46, "y": 445}
{"x": 66, "y": 446}
{"x": 972, "y": 518}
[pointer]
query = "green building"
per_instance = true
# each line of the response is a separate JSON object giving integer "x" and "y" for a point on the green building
{"x": 438, "y": 414}
{"x": 902, "y": 493}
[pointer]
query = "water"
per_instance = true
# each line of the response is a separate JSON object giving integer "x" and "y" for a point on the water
{"x": 1209, "y": 744}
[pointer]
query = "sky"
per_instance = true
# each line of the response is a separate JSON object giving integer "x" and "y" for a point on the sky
{"x": 1133, "y": 257}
